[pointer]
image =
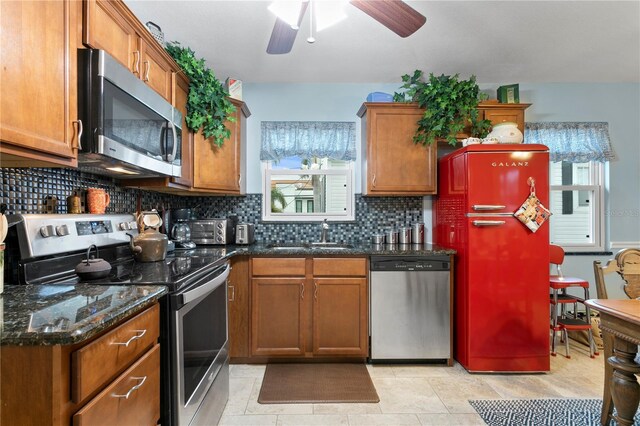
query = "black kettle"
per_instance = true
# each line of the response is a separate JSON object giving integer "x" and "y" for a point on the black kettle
{"x": 93, "y": 268}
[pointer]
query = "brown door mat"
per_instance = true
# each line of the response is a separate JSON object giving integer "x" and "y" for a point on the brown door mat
{"x": 316, "y": 383}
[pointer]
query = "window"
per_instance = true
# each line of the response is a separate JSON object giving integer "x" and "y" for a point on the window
{"x": 579, "y": 153}
{"x": 308, "y": 170}
{"x": 308, "y": 189}
{"x": 576, "y": 195}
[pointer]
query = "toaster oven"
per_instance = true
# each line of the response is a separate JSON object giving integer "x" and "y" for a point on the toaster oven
{"x": 213, "y": 231}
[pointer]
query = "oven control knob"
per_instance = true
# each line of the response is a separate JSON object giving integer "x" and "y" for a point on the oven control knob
{"x": 123, "y": 226}
{"x": 133, "y": 225}
{"x": 62, "y": 230}
{"x": 47, "y": 231}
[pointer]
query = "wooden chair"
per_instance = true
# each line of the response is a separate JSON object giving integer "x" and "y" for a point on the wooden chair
{"x": 627, "y": 265}
{"x": 559, "y": 298}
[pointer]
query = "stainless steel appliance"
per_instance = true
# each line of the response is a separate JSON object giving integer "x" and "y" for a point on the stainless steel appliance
{"x": 410, "y": 317}
{"x": 245, "y": 233}
{"x": 213, "y": 231}
{"x": 130, "y": 131}
{"x": 194, "y": 377}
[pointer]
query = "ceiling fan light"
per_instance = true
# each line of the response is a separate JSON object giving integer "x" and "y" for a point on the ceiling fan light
{"x": 287, "y": 10}
{"x": 328, "y": 13}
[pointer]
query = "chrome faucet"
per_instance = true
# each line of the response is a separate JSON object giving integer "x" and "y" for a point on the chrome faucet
{"x": 325, "y": 229}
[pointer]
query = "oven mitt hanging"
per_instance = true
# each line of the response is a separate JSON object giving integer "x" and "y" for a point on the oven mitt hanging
{"x": 532, "y": 213}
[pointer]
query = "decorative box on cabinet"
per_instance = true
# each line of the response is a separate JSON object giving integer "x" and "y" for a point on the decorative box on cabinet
{"x": 38, "y": 123}
{"x": 86, "y": 383}
{"x": 111, "y": 26}
{"x": 309, "y": 307}
{"x": 393, "y": 165}
{"x": 222, "y": 170}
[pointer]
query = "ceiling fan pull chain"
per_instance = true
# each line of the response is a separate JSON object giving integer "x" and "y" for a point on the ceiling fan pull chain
{"x": 311, "y": 39}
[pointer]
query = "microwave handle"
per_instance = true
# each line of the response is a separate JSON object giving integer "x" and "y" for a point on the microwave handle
{"x": 172, "y": 156}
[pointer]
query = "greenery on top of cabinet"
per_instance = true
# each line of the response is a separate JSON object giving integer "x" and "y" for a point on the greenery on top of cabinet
{"x": 208, "y": 105}
{"x": 450, "y": 105}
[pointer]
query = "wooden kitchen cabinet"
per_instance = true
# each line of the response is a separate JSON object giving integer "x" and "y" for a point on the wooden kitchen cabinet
{"x": 393, "y": 165}
{"x": 112, "y": 27}
{"x": 501, "y": 113}
{"x": 311, "y": 307}
{"x": 238, "y": 302}
{"x": 75, "y": 384}
{"x": 38, "y": 124}
{"x": 222, "y": 170}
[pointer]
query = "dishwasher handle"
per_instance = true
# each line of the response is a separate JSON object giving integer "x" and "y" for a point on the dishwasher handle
{"x": 427, "y": 264}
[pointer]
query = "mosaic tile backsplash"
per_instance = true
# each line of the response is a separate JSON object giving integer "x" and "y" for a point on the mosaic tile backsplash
{"x": 25, "y": 191}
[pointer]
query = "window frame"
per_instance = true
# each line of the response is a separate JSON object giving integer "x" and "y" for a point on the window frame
{"x": 268, "y": 216}
{"x": 598, "y": 221}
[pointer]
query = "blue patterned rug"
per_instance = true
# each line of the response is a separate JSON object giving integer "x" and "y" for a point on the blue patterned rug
{"x": 543, "y": 412}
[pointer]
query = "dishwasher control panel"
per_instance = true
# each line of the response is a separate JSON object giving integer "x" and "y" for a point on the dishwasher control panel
{"x": 414, "y": 263}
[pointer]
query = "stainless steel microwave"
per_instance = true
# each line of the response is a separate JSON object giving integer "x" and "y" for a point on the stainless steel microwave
{"x": 129, "y": 130}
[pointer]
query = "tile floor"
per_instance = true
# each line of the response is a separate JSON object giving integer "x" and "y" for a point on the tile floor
{"x": 418, "y": 394}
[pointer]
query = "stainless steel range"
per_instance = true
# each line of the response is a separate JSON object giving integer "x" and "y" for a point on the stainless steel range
{"x": 45, "y": 249}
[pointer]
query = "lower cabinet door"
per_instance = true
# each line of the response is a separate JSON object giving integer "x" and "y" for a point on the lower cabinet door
{"x": 340, "y": 316}
{"x": 277, "y": 321}
{"x": 132, "y": 399}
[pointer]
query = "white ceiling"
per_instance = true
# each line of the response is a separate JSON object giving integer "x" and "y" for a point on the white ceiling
{"x": 498, "y": 41}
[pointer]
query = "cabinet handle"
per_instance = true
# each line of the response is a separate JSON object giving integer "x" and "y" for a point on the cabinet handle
{"x": 135, "y": 388}
{"x": 239, "y": 180}
{"x": 80, "y": 130}
{"x": 315, "y": 291}
{"x": 302, "y": 291}
{"x": 136, "y": 64}
{"x": 147, "y": 68}
{"x": 374, "y": 180}
{"x": 233, "y": 293}
{"x": 139, "y": 334}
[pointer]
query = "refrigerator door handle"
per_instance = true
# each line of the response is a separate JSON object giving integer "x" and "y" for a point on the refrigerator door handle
{"x": 488, "y": 222}
{"x": 501, "y": 214}
{"x": 486, "y": 207}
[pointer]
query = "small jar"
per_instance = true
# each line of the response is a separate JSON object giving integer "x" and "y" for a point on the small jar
{"x": 391, "y": 237}
{"x": 73, "y": 204}
{"x": 404, "y": 236}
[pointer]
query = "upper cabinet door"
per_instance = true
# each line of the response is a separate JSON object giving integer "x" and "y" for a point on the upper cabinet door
{"x": 501, "y": 113}
{"x": 38, "y": 124}
{"x": 221, "y": 169}
{"x": 393, "y": 165}
{"x": 180, "y": 102}
{"x": 156, "y": 70}
{"x": 106, "y": 28}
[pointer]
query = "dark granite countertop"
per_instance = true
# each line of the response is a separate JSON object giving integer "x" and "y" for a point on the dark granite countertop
{"x": 355, "y": 249}
{"x": 67, "y": 314}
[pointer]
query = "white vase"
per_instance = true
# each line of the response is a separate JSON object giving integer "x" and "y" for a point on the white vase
{"x": 506, "y": 132}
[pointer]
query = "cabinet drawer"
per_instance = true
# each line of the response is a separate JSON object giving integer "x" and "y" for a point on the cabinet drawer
{"x": 132, "y": 399}
{"x": 331, "y": 266}
{"x": 278, "y": 266}
{"x": 103, "y": 359}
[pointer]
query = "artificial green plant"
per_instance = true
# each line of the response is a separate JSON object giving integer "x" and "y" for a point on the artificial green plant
{"x": 450, "y": 105}
{"x": 208, "y": 106}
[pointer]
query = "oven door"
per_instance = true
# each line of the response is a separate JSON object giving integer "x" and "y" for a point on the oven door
{"x": 201, "y": 349}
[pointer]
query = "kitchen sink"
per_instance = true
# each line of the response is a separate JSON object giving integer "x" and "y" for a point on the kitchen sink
{"x": 313, "y": 246}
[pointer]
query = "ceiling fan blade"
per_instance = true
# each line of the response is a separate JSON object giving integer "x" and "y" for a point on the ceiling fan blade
{"x": 396, "y": 15}
{"x": 283, "y": 35}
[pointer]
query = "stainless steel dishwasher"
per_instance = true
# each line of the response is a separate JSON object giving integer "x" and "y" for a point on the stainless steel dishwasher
{"x": 410, "y": 299}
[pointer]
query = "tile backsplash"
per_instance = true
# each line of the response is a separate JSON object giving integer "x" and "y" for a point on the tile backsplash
{"x": 25, "y": 191}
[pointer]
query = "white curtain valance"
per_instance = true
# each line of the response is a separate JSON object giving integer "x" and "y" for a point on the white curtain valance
{"x": 332, "y": 139}
{"x": 572, "y": 142}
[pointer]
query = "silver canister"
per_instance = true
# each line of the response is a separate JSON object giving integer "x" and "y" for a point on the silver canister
{"x": 417, "y": 233}
{"x": 391, "y": 237}
{"x": 377, "y": 239}
{"x": 404, "y": 236}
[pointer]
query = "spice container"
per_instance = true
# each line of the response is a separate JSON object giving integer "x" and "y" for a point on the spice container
{"x": 377, "y": 239}
{"x": 417, "y": 233}
{"x": 391, "y": 237}
{"x": 74, "y": 206}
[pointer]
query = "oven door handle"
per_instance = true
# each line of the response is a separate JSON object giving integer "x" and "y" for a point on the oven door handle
{"x": 208, "y": 287}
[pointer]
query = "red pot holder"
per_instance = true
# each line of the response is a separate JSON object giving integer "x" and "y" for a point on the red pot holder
{"x": 532, "y": 213}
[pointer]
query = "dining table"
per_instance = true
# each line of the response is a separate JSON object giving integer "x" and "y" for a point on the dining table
{"x": 620, "y": 325}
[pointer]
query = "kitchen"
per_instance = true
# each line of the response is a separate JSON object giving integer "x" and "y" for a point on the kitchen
{"x": 302, "y": 100}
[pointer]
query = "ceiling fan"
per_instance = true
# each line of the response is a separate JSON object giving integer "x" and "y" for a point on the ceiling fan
{"x": 396, "y": 15}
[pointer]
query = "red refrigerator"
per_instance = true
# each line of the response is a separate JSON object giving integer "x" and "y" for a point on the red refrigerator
{"x": 502, "y": 268}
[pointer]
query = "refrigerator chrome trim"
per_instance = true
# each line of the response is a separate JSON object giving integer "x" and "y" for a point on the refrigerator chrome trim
{"x": 489, "y": 214}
